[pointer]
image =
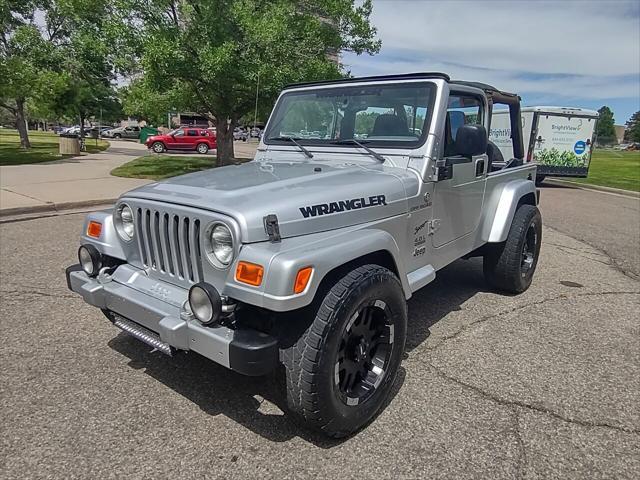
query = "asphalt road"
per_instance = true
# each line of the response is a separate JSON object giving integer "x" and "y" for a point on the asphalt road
{"x": 541, "y": 385}
{"x": 606, "y": 221}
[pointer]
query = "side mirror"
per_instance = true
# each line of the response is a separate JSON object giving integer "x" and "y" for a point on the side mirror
{"x": 471, "y": 140}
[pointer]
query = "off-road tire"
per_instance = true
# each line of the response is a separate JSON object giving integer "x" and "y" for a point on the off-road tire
{"x": 202, "y": 148}
{"x": 158, "y": 147}
{"x": 311, "y": 362}
{"x": 504, "y": 264}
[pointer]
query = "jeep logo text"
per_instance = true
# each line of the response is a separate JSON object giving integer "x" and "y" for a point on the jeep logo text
{"x": 342, "y": 205}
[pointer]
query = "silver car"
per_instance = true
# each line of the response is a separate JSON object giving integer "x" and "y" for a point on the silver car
{"x": 305, "y": 257}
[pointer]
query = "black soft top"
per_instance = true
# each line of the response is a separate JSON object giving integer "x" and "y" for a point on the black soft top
{"x": 402, "y": 76}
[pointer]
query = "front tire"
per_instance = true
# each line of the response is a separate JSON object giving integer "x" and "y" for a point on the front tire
{"x": 202, "y": 148}
{"x": 340, "y": 372}
{"x": 158, "y": 147}
{"x": 510, "y": 266}
{"x": 117, "y": 136}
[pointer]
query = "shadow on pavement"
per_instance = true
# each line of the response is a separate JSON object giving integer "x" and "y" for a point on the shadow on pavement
{"x": 217, "y": 390}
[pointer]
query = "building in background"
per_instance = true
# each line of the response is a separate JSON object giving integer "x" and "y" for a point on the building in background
{"x": 620, "y": 129}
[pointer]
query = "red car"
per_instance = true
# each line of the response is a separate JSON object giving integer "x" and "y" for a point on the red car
{"x": 184, "y": 138}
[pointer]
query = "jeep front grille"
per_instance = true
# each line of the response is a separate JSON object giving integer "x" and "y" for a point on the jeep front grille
{"x": 169, "y": 244}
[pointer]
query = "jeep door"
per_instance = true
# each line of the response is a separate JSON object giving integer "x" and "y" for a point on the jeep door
{"x": 458, "y": 200}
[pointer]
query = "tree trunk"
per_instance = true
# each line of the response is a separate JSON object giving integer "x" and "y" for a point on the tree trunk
{"x": 224, "y": 138}
{"x": 21, "y": 124}
{"x": 81, "y": 128}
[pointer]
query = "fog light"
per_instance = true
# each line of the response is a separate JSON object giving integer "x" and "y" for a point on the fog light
{"x": 90, "y": 260}
{"x": 205, "y": 303}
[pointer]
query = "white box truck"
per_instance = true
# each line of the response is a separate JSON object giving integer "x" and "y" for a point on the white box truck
{"x": 558, "y": 139}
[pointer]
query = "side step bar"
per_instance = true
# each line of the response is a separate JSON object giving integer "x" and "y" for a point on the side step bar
{"x": 137, "y": 331}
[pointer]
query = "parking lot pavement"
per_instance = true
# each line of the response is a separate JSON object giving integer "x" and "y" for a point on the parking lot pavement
{"x": 541, "y": 385}
{"x": 609, "y": 222}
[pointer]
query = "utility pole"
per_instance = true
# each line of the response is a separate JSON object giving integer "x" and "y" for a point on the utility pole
{"x": 255, "y": 113}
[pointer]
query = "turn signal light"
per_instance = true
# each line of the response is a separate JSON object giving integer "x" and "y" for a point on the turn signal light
{"x": 249, "y": 273}
{"x": 302, "y": 279}
{"x": 94, "y": 229}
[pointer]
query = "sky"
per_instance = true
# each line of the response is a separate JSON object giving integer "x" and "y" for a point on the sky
{"x": 569, "y": 53}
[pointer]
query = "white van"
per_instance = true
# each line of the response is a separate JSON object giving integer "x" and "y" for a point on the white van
{"x": 558, "y": 139}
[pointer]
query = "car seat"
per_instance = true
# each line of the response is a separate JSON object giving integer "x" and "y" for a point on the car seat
{"x": 389, "y": 125}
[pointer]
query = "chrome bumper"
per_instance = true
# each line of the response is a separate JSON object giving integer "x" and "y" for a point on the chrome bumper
{"x": 155, "y": 313}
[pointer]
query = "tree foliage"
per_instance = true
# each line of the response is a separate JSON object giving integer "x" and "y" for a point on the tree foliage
{"x": 213, "y": 54}
{"x": 632, "y": 133}
{"x": 605, "y": 131}
{"x": 61, "y": 64}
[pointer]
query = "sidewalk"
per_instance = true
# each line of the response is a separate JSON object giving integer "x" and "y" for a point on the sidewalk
{"x": 66, "y": 183}
{"x": 76, "y": 182}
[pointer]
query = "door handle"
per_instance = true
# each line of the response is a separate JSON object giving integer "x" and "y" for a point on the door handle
{"x": 479, "y": 167}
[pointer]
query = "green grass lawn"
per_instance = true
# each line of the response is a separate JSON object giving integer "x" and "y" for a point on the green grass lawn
{"x": 613, "y": 168}
{"x": 44, "y": 147}
{"x": 156, "y": 167}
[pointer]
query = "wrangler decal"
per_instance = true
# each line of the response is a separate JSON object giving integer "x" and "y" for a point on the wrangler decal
{"x": 342, "y": 205}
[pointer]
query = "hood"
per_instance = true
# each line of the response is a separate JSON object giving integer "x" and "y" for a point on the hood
{"x": 307, "y": 197}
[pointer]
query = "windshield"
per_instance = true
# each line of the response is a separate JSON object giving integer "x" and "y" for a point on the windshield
{"x": 395, "y": 115}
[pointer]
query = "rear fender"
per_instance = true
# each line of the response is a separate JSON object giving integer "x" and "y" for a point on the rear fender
{"x": 502, "y": 205}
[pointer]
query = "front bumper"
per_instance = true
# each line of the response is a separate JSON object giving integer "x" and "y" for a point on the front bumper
{"x": 156, "y": 313}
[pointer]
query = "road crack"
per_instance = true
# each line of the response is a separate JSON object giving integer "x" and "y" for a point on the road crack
{"x": 531, "y": 407}
{"x": 36, "y": 293}
{"x": 494, "y": 316}
{"x": 521, "y": 464}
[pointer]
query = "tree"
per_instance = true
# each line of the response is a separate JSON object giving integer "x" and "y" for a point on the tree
{"x": 605, "y": 131}
{"x": 24, "y": 56}
{"x": 219, "y": 52}
{"x": 632, "y": 132}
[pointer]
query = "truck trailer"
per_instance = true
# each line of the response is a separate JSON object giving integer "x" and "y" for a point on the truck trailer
{"x": 558, "y": 139}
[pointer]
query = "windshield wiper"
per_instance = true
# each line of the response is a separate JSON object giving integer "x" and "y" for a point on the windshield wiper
{"x": 353, "y": 141}
{"x": 293, "y": 140}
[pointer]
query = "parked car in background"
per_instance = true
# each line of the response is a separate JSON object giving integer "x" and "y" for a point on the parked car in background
{"x": 199, "y": 139}
{"x": 240, "y": 134}
{"x": 255, "y": 133}
{"x": 122, "y": 132}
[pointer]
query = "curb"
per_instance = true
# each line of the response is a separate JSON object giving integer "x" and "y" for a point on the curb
{"x": 568, "y": 183}
{"x": 54, "y": 207}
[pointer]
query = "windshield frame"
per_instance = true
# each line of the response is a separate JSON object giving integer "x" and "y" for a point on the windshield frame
{"x": 269, "y": 138}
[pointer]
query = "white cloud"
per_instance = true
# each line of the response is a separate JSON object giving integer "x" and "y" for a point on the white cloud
{"x": 522, "y": 46}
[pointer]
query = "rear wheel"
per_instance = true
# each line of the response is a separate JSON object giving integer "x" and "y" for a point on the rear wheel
{"x": 341, "y": 370}
{"x": 202, "y": 148}
{"x": 158, "y": 147}
{"x": 510, "y": 266}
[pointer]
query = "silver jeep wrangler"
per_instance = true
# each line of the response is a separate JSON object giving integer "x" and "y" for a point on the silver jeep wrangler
{"x": 360, "y": 191}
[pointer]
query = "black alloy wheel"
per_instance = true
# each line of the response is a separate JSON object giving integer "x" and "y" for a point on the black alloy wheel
{"x": 364, "y": 354}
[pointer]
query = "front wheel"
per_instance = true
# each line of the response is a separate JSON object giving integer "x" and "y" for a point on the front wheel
{"x": 510, "y": 266}
{"x": 340, "y": 372}
{"x": 117, "y": 136}
{"x": 202, "y": 148}
{"x": 158, "y": 147}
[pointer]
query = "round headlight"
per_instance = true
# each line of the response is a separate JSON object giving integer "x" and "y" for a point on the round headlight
{"x": 124, "y": 222}
{"x": 205, "y": 302}
{"x": 90, "y": 259}
{"x": 221, "y": 244}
